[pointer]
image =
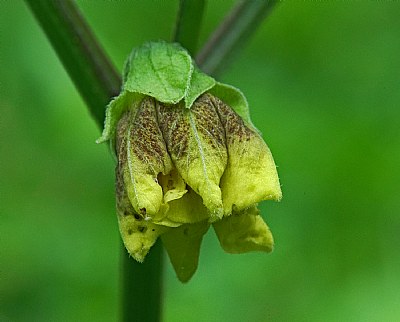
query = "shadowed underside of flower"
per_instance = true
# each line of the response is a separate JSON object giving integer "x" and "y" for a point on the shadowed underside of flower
{"x": 188, "y": 158}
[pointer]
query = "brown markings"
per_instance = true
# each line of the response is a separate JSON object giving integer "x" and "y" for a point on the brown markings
{"x": 146, "y": 138}
{"x": 155, "y": 122}
{"x": 235, "y": 128}
{"x": 208, "y": 122}
{"x": 142, "y": 229}
{"x": 120, "y": 137}
{"x": 146, "y": 143}
{"x": 175, "y": 127}
{"x": 123, "y": 204}
{"x": 174, "y": 121}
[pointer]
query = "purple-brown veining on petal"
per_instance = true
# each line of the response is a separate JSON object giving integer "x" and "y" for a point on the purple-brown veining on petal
{"x": 196, "y": 142}
{"x": 142, "y": 156}
{"x": 250, "y": 175}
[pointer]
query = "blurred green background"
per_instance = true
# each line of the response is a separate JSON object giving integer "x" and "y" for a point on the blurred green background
{"x": 323, "y": 82}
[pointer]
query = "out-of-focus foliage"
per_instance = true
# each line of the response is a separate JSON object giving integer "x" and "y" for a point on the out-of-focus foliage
{"x": 323, "y": 83}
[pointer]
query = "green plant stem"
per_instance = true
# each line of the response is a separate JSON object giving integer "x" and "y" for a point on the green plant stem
{"x": 142, "y": 286}
{"x": 97, "y": 81}
{"x": 188, "y": 24}
{"x": 86, "y": 63}
{"x": 233, "y": 32}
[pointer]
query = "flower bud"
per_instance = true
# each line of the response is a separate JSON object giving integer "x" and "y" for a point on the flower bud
{"x": 187, "y": 157}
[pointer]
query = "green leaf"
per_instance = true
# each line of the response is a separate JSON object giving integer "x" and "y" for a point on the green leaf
{"x": 114, "y": 111}
{"x": 159, "y": 69}
{"x": 199, "y": 84}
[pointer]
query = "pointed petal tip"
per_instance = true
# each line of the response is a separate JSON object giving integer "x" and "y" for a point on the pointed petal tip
{"x": 183, "y": 247}
{"x": 138, "y": 256}
{"x": 185, "y": 275}
{"x": 137, "y": 249}
{"x": 138, "y": 235}
{"x": 216, "y": 215}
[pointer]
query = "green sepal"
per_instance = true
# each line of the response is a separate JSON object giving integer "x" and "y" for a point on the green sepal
{"x": 114, "y": 111}
{"x": 199, "y": 84}
{"x": 161, "y": 70}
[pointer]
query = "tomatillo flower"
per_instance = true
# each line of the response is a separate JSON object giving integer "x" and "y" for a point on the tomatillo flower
{"x": 188, "y": 157}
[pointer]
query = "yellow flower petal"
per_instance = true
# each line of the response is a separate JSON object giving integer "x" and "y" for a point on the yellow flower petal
{"x": 244, "y": 232}
{"x": 183, "y": 247}
{"x": 188, "y": 209}
{"x": 196, "y": 142}
{"x": 182, "y": 204}
{"x": 142, "y": 155}
{"x": 250, "y": 175}
{"x": 137, "y": 234}
{"x": 172, "y": 185}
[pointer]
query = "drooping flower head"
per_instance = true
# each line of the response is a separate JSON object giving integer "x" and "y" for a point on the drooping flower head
{"x": 188, "y": 157}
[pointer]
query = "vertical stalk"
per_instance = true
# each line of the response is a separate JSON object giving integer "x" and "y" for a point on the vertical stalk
{"x": 97, "y": 81}
{"x": 232, "y": 34}
{"x": 83, "y": 58}
{"x": 188, "y": 23}
{"x": 142, "y": 286}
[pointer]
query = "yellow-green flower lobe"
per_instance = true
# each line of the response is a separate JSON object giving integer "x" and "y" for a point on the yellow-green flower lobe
{"x": 196, "y": 142}
{"x": 142, "y": 156}
{"x": 250, "y": 175}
